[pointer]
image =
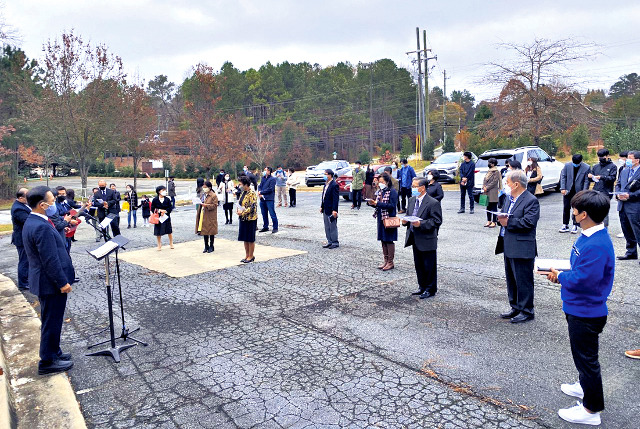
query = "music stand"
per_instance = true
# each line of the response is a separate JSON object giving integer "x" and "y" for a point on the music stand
{"x": 102, "y": 253}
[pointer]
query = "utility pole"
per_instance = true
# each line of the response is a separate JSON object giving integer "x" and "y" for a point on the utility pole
{"x": 371, "y": 109}
{"x": 444, "y": 110}
{"x": 427, "y": 151}
{"x": 420, "y": 92}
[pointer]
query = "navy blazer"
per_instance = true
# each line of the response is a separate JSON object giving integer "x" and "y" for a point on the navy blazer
{"x": 19, "y": 214}
{"x": 425, "y": 237}
{"x": 520, "y": 233}
{"x": 267, "y": 188}
{"x": 112, "y": 200}
{"x": 582, "y": 178}
{"x": 633, "y": 203}
{"x": 331, "y": 198}
{"x": 50, "y": 266}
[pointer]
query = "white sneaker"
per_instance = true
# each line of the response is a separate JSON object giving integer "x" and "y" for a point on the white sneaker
{"x": 577, "y": 414}
{"x": 621, "y": 235}
{"x": 565, "y": 228}
{"x": 574, "y": 230}
{"x": 574, "y": 389}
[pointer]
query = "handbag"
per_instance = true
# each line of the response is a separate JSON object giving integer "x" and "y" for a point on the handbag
{"x": 483, "y": 200}
{"x": 154, "y": 219}
{"x": 539, "y": 190}
{"x": 125, "y": 206}
{"x": 391, "y": 222}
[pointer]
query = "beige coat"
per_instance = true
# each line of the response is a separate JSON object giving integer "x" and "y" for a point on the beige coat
{"x": 210, "y": 216}
{"x": 492, "y": 184}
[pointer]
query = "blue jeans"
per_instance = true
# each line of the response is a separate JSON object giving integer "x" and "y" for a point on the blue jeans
{"x": 268, "y": 208}
{"x": 135, "y": 215}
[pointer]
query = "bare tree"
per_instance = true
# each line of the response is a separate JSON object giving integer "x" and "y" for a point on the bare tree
{"x": 526, "y": 81}
{"x": 262, "y": 148}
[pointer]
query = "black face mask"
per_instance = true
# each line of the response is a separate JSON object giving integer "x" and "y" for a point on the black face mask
{"x": 61, "y": 198}
{"x": 102, "y": 188}
{"x": 603, "y": 160}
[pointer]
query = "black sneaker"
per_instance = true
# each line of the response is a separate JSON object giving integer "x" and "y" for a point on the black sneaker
{"x": 274, "y": 231}
{"x": 264, "y": 230}
{"x": 54, "y": 367}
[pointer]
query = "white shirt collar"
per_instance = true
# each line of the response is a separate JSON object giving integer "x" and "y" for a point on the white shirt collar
{"x": 590, "y": 231}
{"x": 41, "y": 215}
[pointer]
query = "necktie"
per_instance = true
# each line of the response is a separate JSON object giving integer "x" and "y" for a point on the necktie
{"x": 416, "y": 208}
{"x": 104, "y": 193}
{"x": 54, "y": 227}
{"x": 630, "y": 175}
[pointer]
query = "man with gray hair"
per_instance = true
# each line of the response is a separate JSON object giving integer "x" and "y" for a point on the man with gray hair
{"x": 517, "y": 240}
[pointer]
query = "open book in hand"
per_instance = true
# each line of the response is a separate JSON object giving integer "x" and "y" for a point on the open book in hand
{"x": 543, "y": 266}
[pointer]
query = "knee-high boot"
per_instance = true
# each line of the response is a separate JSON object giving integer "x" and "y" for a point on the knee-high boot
{"x": 391, "y": 253}
{"x": 385, "y": 252}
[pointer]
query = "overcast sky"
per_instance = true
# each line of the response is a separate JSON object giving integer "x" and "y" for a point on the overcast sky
{"x": 171, "y": 36}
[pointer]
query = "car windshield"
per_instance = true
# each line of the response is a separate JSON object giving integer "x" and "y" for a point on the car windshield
{"x": 447, "y": 158}
{"x": 483, "y": 161}
{"x": 326, "y": 165}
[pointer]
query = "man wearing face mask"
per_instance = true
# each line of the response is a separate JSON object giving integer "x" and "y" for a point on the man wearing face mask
{"x": 329, "y": 209}
{"x": 604, "y": 176}
{"x": 51, "y": 275}
{"x": 220, "y": 178}
{"x": 573, "y": 179}
{"x": 252, "y": 177}
{"x": 281, "y": 186}
{"x": 19, "y": 213}
{"x": 266, "y": 193}
{"x": 628, "y": 187}
{"x": 64, "y": 210}
{"x": 517, "y": 240}
{"x": 422, "y": 235}
{"x": 106, "y": 202}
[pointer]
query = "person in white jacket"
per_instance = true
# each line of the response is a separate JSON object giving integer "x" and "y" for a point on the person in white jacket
{"x": 293, "y": 181}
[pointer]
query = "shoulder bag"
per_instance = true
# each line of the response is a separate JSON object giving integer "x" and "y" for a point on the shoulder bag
{"x": 391, "y": 222}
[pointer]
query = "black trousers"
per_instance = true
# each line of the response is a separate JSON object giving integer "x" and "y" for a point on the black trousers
{"x": 52, "y": 314}
{"x": 405, "y": 193}
{"x": 292, "y": 197}
{"x": 583, "y": 337}
{"x": 23, "y": 268}
{"x": 630, "y": 223}
{"x": 115, "y": 225}
{"x": 466, "y": 190}
{"x": 426, "y": 269}
{"x": 519, "y": 273}
{"x": 494, "y": 208}
{"x": 356, "y": 197}
{"x": 208, "y": 240}
{"x": 567, "y": 210}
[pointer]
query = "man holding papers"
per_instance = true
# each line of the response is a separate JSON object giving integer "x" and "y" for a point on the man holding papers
{"x": 423, "y": 236}
{"x": 517, "y": 240}
{"x": 628, "y": 195}
{"x": 584, "y": 292}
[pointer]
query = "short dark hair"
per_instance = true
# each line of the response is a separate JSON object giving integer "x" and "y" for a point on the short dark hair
{"x": 635, "y": 153}
{"x": 244, "y": 180}
{"x": 330, "y": 172}
{"x": 603, "y": 152}
{"x": 208, "y": 184}
{"x": 71, "y": 194}
{"x": 95, "y": 190}
{"x": 112, "y": 184}
{"x": 435, "y": 174}
{"x": 291, "y": 170}
{"x": 576, "y": 158}
{"x": 279, "y": 166}
{"x": 467, "y": 154}
{"x": 515, "y": 164}
{"x": 403, "y": 161}
{"x": 422, "y": 181}
{"x": 37, "y": 194}
{"x": 60, "y": 188}
{"x": 358, "y": 162}
{"x": 388, "y": 169}
{"x": 594, "y": 203}
{"x": 624, "y": 154}
{"x": 160, "y": 188}
{"x": 171, "y": 177}
{"x": 20, "y": 194}
{"x": 492, "y": 161}
{"x": 386, "y": 177}
{"x": 270, "y": 169}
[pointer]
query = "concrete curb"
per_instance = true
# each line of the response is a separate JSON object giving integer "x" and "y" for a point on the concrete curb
{"x": 36, "y": 401}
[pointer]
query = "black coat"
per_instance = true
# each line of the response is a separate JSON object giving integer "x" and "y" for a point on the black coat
{"x": 331, "y": 198}
{"x": 608, "y": 173}
{"x": 519, "y": 239}
{"x": 19, "y": 214}
{"x": 112, "y": 200}
{"x": 387, "y": 234}
{"x": 132, "y": 197}
{"x": 435, "y": 191}
{"x": 424, "y": 237}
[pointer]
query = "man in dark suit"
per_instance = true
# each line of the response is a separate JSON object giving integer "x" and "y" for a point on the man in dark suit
{"x": 19, "y": 213}
{"x": 422, "y": 235}
{"x": 329, "y": 209}
{"x": 629, "y": 204}
{"x": 109, "y": 204}
{"x": 517, "y": 240}
{"x": 51, "y": 274}
{"x": 573, "y": 179}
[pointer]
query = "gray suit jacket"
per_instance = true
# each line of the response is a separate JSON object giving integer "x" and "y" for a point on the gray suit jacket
{"x": 632, "y": 205}
{"x": 424, "y": 237}
{"x": 582, "y": 178}
{"x": 519, "y": 239}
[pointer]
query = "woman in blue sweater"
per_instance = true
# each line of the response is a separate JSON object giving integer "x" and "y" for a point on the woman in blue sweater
{"x": 584, "y": 292}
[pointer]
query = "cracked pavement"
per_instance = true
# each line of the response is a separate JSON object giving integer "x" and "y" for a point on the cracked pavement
{"x": 326, "y": 340}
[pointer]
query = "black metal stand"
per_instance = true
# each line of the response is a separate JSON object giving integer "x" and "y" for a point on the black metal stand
{"x": 125, "y": 335}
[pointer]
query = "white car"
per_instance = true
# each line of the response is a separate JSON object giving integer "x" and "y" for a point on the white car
{"x": 315, "y": 176}
{"x": 551, "y": 168}
{"x": 447, "y": 165}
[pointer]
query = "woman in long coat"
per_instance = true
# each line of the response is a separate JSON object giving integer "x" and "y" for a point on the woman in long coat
{"x": 162, "y": 205}
{"x": 491, "y": 187}
{"x": 207, "y": 217}
{"x": 385, "y": 204}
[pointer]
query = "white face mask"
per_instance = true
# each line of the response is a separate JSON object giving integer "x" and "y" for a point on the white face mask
{"x": 205, "y": 190}
{"x": 163, "y": 193}
{"x": 226, "y": 177}
{"x": 507, "y": 189}
{"x": 382, "y": 185}
{"x": 429, "y": 177}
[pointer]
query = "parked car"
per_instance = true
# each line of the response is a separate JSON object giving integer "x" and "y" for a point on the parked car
{"x": 447, "y": 165}
{"x": 344, "y": 181}
{"x": 551, "y": 168}
{"x": 315, "y": 176}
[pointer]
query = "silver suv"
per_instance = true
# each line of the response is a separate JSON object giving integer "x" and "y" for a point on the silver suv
{"x": 447, "y": 165}
{"x": 315, "y": 176}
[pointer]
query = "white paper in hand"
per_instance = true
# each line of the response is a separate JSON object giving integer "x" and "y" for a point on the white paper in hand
{"x": 545, "y": 265}
{"x": 196, "y": 200}
{"x": 163, "y": 218}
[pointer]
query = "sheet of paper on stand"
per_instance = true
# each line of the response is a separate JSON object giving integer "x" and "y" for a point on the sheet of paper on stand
{"x": 410, "y": 218}
{"x": 545, "y": 265}
{"x": 163, "y": 218}
{"x": 105, "y": 222}
{"x": 103, "y": 250}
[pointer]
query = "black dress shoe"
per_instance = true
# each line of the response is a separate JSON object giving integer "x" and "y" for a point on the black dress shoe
{"x": 427, "y": 295}
{"x": 54, "y": 367}
{"x": 420, "y": 292}
{"x": 76, "y": 280}
{"x": 274, "y": 231}
{"x": 461, "y": 211}
{"x": 471, "y": 211}
{"x": 206, "y": 249}
{"x": 626, "y": 257}
{"x": 210, "y": 250}
{"x": 510, "y": 314}
{"x": 23, "y": 288}
{"x": 333, "y": 246}
{"x": 522, "y": 317}
{"x": 65, "y": 356}
{"x": 326, "y": 246}
{"x": 247, "y": 261}
{"x": 264, "y": 230}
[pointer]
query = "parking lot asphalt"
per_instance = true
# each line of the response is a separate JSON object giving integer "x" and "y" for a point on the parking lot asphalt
{"x": 324, "y": 339}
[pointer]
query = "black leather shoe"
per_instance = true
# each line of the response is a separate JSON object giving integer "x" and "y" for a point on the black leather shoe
{"x": 471, "y": 211}
{"x": 461, "y": 211}
{"x": 264, "y": 230}
{"x": 210, "y": 250}
{"x": 333, "y": 246}
{"x": 521, "y": 318}
{"x": 248, "y": 261}
{"x": 420, "y": 292}
{"x": 206, "y": 250}
{"x": 510, "y": 314}
{"x": 54, "y": 367}
{"x": 65, "y": 356}
{"x": 274, "y": 231}
{"x": 23, "y": 288}
{"x": 626, "y": 257}
{"x": 76, "y": 280}
{"x": 326, "y": 246}
{"x": 427, "y": 295}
